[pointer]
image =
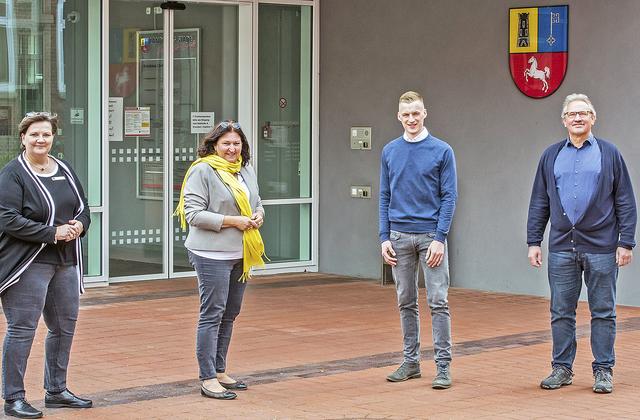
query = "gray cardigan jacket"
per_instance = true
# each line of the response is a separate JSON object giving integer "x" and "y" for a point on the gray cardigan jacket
{"x": 207, "y": 200}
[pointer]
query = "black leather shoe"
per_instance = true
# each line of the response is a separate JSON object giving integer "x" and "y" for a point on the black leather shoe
{"x": 224, "y": 395}
{"x": 236, "y": 386}
{"x": 65, "y": 399}
{"x": 22, "y": 409}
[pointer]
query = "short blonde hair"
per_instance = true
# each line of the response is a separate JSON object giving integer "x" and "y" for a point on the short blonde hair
{"x": 577, "y": 97}
{"x": 411, "y": 96}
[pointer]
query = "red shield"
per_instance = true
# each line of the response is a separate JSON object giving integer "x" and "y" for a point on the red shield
{"x": 538, "y": 49}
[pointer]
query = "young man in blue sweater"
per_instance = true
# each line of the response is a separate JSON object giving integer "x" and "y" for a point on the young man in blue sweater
{"x": 417, "y": 199}
{"x": 583, "y": 187}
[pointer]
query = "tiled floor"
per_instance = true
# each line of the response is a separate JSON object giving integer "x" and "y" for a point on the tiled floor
{"x": 319, "y": 347}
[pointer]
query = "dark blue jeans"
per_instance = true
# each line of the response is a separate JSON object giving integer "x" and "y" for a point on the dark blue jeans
{"x": 220, "y": 302}
{"x": 50, "y": 290}
{"x": 600, "y": 271}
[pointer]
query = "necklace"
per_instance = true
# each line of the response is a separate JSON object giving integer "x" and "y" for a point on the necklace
{"x": 37, "y": 166}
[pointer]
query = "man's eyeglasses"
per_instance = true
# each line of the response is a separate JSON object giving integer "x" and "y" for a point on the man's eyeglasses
{"x": 225, "y": 124}
{"x": 572, "y": 115}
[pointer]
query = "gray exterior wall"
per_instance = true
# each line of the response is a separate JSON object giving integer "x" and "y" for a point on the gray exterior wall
{"x": 456, "y": 55}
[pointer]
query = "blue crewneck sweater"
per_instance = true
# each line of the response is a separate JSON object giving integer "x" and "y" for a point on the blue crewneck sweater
{"x": 418, "y": 187}
{"x": 609, "y": 220}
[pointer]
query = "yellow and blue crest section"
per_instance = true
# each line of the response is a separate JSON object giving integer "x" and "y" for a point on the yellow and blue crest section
{"x": 538, "y": 48}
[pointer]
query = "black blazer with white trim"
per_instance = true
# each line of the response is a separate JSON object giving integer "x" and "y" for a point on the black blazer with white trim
{"x": 27, "y": 212}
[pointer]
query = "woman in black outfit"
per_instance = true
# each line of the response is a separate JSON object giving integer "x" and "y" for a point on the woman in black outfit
{"x": 43, "y": 212}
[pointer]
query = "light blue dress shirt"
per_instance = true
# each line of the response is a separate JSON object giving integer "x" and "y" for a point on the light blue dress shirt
{"x": 576, "y": 172}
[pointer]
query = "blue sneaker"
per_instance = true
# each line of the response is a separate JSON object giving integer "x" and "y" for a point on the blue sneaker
{"x": 603, "y": 381}
{"x": 560, "y": 376}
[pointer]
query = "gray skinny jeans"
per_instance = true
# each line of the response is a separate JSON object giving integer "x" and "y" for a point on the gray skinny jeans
{"x": 50, "y": 290}
{"x": 220, "y": 301}
{"x": 411, "y": 251}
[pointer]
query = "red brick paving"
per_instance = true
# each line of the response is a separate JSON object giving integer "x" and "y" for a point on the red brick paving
{"x": 126, "y": 343}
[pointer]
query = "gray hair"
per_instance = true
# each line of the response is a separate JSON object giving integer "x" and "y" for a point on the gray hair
{"x": 577, "y": 97}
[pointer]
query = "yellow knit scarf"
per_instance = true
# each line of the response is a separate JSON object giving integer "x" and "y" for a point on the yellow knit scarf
{"x": 252, "y": 245}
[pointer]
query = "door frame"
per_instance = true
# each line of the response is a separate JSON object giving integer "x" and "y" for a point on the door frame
{"x": 310, "y": 265}
{"x": 248, "y": 63}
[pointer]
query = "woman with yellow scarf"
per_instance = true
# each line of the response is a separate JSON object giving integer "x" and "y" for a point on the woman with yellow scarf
{"x": 220, "y": 202}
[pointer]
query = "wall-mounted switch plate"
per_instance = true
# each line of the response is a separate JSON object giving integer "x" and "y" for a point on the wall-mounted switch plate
{"x": 360, "y": 191}
{"x": 361, "y": 138}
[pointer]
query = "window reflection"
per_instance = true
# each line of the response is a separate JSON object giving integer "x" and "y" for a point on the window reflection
{"x": 47, "y": 59}
{"x": 7, "y": 50}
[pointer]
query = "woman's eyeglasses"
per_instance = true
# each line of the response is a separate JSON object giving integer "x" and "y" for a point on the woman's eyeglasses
{"x": 225, "y": 124}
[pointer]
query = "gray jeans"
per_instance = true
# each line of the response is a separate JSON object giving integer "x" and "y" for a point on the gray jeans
{"x": 50, "y": 290}
{"x": 220, "y": 302}
{"x": 411, "y": 251}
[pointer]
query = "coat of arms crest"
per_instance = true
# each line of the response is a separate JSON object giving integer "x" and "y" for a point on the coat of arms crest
{"x": 538, "y": 48}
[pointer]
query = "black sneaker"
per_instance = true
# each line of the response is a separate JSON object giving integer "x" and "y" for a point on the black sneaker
{"x": 603, "y": 381}
{"x": 443, "y": 378}
{"x": 560, "y": 376}
{"x": 405, "y": 371}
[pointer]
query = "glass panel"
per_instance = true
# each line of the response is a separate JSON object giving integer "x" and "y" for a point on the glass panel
{"x": 4, "y": 55}
{"x": 91, "y": 247}
{"x": 287, "y": 232}
{"x": 284, "y": 136}
{"x": 49, "y": 58}
{"x": 46, "y": 58}
{"x": 205, "y": 81}
{"x": 94, "y": 104}
{"x": 284, "y": 101}
{"x": 136, "y": 175}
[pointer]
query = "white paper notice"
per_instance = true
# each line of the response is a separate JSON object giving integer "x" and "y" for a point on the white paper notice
{"x": 137, "y": 121}
{"x": 202, "y": 122}
{"x": 115, "y": 119}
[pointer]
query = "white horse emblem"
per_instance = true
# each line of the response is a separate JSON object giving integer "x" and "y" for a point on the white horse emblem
{"x": 537, "y": 74}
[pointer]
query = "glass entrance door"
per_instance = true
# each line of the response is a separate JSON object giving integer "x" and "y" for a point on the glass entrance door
{"x": 284, "y": 139}
{"x": 173, "y": 73}
{"x": 210, "y": 74}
